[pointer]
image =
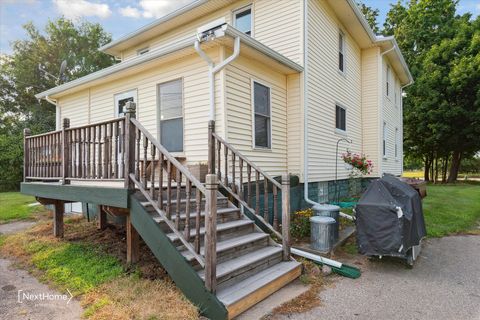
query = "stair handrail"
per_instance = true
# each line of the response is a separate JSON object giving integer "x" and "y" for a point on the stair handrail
{"x": 215, "y": 166}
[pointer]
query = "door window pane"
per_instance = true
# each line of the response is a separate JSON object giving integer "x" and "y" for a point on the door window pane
{"x": 121, "y": 100}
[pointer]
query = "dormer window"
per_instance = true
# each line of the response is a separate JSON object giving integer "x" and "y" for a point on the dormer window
{"x": 143, "y": 51}
{"x": 242, "y": 20}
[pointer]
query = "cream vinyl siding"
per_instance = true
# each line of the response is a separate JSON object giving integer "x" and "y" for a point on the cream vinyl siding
{"x": 295, "y": 124}
{"x": 370, "y": 106}
{"x": 392, "y": 116}
{"x": 238, "y": 90}
{"x": 327, "y": 87}
{"x": 191, "y": 69}
{"x": 277, "y": 24}
{"x": 75, "y": 107}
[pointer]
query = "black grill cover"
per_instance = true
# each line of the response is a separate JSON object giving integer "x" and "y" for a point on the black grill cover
{"x": 380, "y": 230}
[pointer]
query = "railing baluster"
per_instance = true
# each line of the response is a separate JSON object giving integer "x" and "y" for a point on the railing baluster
{"x": 225, "y": 164}
{"x": 137, "y": 167}
{"x": 80, "y": 153}
{"x": 145, "y": 156}
{"x": 240, "y": 177}
{"x": 275, "y": 207}
{"x": 88, "y": 147}
{"x": 249, "y": 187}
{"x": 257, "y": 192}
{"x": 179, "y": 198}
{"x": 116, "y": 149}
{"x": 99, "y": 162}
{"x": 94, "y": 149}
{"x": 75, "y": 154}
{"x": 219, "y": 166}
{"x": 198, "y": 202}
{"x": 152, "y": 173}
{"x": 265, "y": 200}
{"x": 169, "y": 189}
{"x": 234, "y": 185}
{"x": 105, "y": 151}
{"x": 111, "y": 145}
{"x": 188, "y": 188}
{"x": 160, "y": 178}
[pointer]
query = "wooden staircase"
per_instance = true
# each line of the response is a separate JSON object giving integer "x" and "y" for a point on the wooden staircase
{"x": 249, "y": 263}
{"x": 215, "y": 239}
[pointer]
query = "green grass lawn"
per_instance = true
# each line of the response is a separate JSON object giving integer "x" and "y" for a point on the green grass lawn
{"x": 451, "y": 209}
{"x": 14, "y": 206}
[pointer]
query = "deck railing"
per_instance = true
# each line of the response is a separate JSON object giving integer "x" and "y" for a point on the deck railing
{"x": 244, "y": 182}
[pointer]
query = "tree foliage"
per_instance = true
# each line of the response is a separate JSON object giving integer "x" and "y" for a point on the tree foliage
{"x": 20, "y": 79}
{"x": 442, "y": 107}
{"x": 370, "y": 15}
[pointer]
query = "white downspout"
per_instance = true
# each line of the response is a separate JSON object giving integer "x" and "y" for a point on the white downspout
{"x": 213, "y": 69}
{"x": 305, "y": 104}
{"x": 57, "y": 112}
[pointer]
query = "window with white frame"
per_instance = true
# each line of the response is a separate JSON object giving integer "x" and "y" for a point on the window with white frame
{"x": 396, "y": 143}
{"x": 170, "y": 100}
{"x": 384, "y": 139}
{"x": 387, "y": 80}
{"x": 340, "y": 118}
{"x": 121, "y": 99}
{"x": 242, "y": 20}
{"x": 341, "y": 52}
{"x": 262, "y": 115}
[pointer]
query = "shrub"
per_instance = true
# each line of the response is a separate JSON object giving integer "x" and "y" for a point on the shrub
{"x": 300, "y": 223}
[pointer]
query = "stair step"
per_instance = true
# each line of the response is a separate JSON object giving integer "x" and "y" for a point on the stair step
{"x": 229, "y": 244}
{"x": 183, "y": 216}
{"x": 236, "y": 265}
{"x": 221, "y": 227}
{"x": 241, "y": 296}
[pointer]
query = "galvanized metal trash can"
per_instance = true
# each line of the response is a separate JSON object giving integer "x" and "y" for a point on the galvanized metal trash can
{"x": 329, "y": 210}
{"x": 322, "y": 233}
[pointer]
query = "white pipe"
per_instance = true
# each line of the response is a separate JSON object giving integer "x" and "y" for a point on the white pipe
{"x": 305, "y": 104}
{"x": 57, "y": 112}
{"x": 213, "y": 69}
{"x": 316, "y": 258}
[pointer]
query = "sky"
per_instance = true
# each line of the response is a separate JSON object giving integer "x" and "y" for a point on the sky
{"x": 119, "y": 17}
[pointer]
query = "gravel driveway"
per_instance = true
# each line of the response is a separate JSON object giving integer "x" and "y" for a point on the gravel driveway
{"x": 444, "y": 284}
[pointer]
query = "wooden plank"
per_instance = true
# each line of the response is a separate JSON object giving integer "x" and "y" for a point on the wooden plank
{"x": 133, "y": 242}
{"x": 253, "y": 290}
{"x": 211, "y": 233}
{"x": 110, "y": 196}
{"x": 59, "y": 210}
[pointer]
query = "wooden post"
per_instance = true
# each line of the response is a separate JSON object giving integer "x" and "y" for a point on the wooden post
{"x": 286, "y": 216}
{"x": 26, "y": 154}
{"x": 130, "y": 108}
{"x": 65, "y": 153}
{"x": 211, "y": 232}
{"x": 211, "y": 147}
{"x": 59, "y": 210}
{"x": 101, "y": 218}
{"x": 133, "y": 242}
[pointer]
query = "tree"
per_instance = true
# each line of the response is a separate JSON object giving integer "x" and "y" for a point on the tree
{"x": 20, "y": 79}
{"x": 370, "y": 15}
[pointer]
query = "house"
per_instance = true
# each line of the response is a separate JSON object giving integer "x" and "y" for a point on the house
{"x": 255, "y": 89}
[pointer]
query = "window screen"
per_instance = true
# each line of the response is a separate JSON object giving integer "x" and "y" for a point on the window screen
{"x": 243, "y": 21}
{"x": 261, "y": 100}
{"x": 340, "y": 118}
{"x": 170, "y": 99}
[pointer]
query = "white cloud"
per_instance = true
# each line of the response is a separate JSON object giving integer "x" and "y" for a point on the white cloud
{"x": 153, "y": 8}
{"x": 73, "y": 9}
{"x": 130, "y": 12}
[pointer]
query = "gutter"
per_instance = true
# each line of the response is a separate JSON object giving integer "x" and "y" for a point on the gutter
{"x": 157, "y": 53}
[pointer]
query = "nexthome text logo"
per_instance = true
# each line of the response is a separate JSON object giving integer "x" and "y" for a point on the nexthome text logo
{"x": 43, "y": 296}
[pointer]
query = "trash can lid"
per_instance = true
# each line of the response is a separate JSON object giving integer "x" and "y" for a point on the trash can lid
{"x": 325, "y": 207}
{"x": 322, "y": 220}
